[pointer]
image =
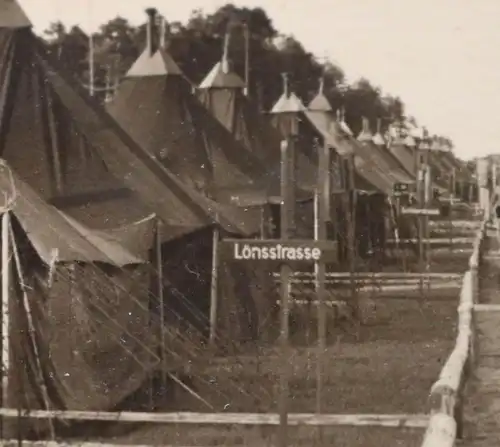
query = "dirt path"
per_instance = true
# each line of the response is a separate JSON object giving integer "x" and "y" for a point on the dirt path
{"x": 482, "y": 407}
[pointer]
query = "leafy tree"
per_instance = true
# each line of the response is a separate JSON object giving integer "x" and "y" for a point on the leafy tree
{"x": 197, "y": 45}
{"x": 69, "y": 46}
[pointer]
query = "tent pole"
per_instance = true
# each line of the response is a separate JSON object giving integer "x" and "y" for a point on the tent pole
{"x": 214, "y": 285}
{"x": 351, "y": 196}
{"x": 450, "y": 216}
{"x": 420, "y": 224}
{"x": 32, "y": 331}
{"x": 429, "y": 190}
{"x": 246, "y": 33}
{"x": 285, "y": 216}
{"x": 321, "y": 197}
{"x": 5, "y": 311}
{"x": 91, "y": 65}
{"x": 316, "y": 237}
{"x": 159, "y": 266}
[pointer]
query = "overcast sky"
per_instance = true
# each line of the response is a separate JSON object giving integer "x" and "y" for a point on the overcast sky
{"x": 440, "y": 56}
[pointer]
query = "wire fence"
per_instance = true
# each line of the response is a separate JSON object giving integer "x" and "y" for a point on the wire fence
{"x": 92, "y": 336}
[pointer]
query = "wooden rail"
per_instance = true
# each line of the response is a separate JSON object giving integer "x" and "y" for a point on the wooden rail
{"x": 190, "y": 418}
{"x": 446, "y": 400}
{"x": 381, "y": 275}
{"x": 433, "y": 241}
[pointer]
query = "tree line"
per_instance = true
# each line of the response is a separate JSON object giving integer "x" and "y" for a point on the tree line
{"x": 197, "y": 45}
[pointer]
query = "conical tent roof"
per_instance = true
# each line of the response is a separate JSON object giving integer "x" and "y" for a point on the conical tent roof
{"x": 288, "y": 103}
{"x": 242, "y": 117}
{"x": 158, "y": 64}
{"x": 158, "y": 110}
{"x": 320, "y": 115}
{"x": 220, "y": 78}
{"x": 63, "y": 145}
{"x": 320, "y": 103}
{"x": 380, "y": 158}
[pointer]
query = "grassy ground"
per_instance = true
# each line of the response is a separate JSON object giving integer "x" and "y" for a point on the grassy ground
{"x": 397, "y": 336}
{"x": 389, "y": 369}
{"x": 255, "y": 437}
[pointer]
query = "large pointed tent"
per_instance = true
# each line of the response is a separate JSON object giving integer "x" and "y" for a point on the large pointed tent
{"x": 154, "y": 104}
{"x": 314, "y": 127}
{"x": 406, "y": 149}
{"x": 319, "y": 114}
{"x": 62, "y": 144}
{"x": 55, "y": 265}
{"x": 72, "y": 153}
{"x": 382, "y": 158}
{"x": 440, "y": 171}
{"x": 401, "y": 151}
{"x": 221, "y": 91}
{"x": 369, "y": 209}
{"x": 318, "y": 117}
{"x": 459, "y": 178}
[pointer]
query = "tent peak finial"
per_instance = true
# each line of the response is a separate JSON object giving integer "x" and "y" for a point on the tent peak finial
{"x": 321, "y": 89}
{"x": 152, "y": 41}
{"x": 286, "y": 86}
{"x": 225, "y": 52}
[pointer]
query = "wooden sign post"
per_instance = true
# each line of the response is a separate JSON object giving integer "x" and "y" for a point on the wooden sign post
{"x": 288, "y": 252}
{"x": 214, "y": 285}
{"x": 352, "y": 199}
{"x": 286, "y": 273}
{"x": 452, "y": 202}
{"x": 429, "y": 194}
{"x": 421, "y": 230}
{"x": 423, "y": 187}
{"x": 320, "y": 268}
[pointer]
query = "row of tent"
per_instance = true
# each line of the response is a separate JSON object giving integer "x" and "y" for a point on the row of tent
{"x": 239, "y": 162}
{"x": 102, "y": 200}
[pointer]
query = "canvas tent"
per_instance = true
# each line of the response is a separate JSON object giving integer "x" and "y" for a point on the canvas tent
{"x": 155, "y": 105}
{"x": 368, "y": 199}
{"x": 314, "y": 127}
{"x": 384, "y": 159}
{"x": 72, "y": 153}
{"x": 402, "y": 152}
{"x": 461, "y": 178}
{"x": 77, "y": 339}
{"x": 319, "y": 115}
{"x": 404, "y": 149}
{"x": 222, "y": 94}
